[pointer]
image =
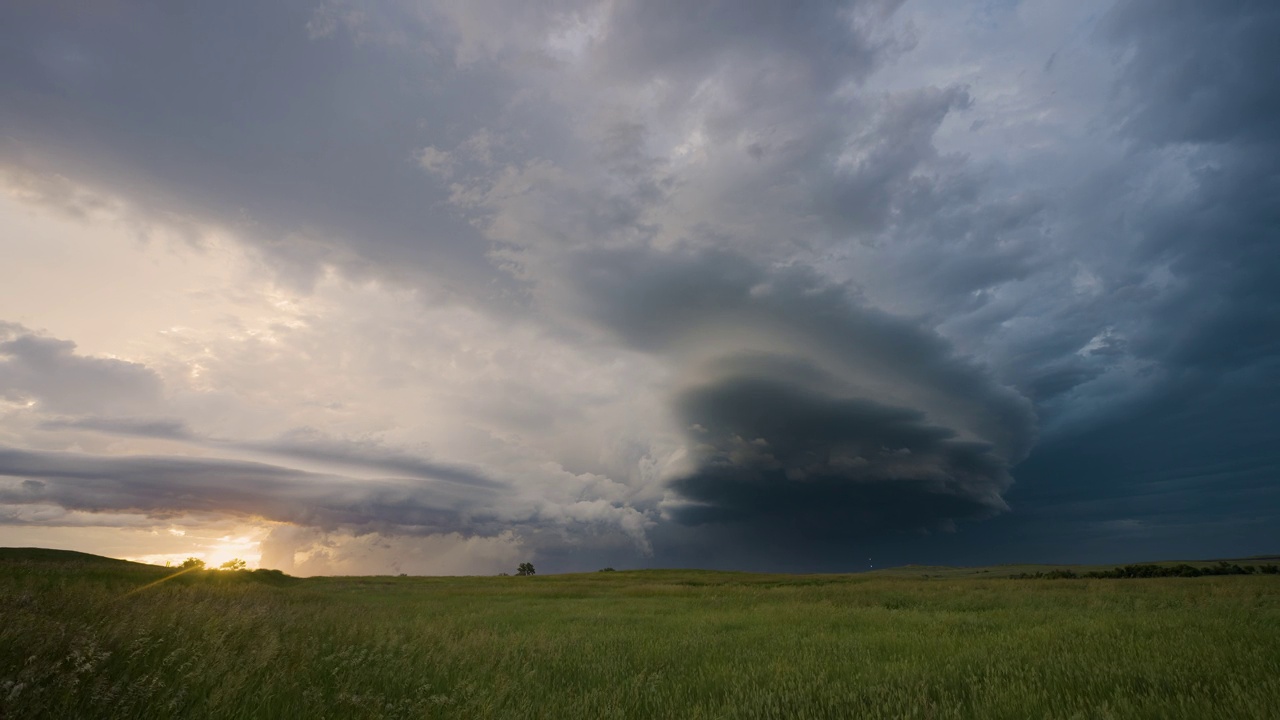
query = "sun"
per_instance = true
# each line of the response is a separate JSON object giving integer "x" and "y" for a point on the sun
{"x": 230, "y": 547}
{"x": 213, "y": 543}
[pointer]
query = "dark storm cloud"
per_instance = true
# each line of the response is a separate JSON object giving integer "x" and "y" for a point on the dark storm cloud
{"x": 49, "y": 372}
{"x": 163, "y": 486}
{"x": 811, "y": 417}
{"x": 1186, "y": 464}
{"x": 1203, "y": 81}
{"x": 783, "y": 462}
{"x": 1221, "y": 240}
{"x": 719, "y": 304}
{"x": 1189, "y": 472}
{"x": 1200, "y": 72}
{"x": 1150, "y": 267}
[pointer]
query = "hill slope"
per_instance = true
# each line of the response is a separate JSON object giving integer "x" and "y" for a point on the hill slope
{"x": 45, "y": 555}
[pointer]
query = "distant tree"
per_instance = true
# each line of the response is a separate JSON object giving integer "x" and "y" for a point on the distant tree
{"x": 525, "y": 569}
{"x": 605, "y": 570}
{"x": 1157, "y": 571}
{"x": 234, "y": 564}
{"x": 192, "y": 563}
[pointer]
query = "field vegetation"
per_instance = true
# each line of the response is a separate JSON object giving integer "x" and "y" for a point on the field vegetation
{"x": 86, "y": 637}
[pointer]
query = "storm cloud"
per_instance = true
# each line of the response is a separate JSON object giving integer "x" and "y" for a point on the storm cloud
{"x": 624, "y": 283}
{"x": 703, "y": 308}
{"x": 787, "y": 463}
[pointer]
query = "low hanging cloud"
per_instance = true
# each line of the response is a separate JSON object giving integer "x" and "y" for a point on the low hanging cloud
{"x": 786, "y": 460}
{"x": 305, "y": 444}
{"x": 163, "y": 487}
{"x": 171, "y": 485}
{"x": 160, "y": 428}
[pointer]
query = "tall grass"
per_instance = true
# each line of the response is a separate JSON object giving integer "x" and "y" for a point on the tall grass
{"x": 76, "y": 642}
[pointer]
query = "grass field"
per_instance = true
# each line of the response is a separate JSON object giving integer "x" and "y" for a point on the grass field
{"x": 89, "y": 637}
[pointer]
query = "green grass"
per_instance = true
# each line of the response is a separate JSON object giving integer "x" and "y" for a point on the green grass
{"x": 79, "y": 639}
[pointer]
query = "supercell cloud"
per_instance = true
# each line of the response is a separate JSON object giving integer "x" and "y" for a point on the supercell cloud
{"x": 441, "y": 287}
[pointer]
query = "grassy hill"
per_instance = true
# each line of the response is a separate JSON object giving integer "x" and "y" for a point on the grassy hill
{"x": 44, "y": 555}
{"x": 86, "y": 637}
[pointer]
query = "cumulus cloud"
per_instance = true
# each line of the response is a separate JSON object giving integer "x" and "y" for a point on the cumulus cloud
{"x": 50, "y": 373}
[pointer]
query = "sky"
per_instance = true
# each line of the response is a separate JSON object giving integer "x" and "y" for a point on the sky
{"x": 443, "y": 286}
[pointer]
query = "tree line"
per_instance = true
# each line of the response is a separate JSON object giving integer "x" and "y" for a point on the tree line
{"x": 1155, "y": 571}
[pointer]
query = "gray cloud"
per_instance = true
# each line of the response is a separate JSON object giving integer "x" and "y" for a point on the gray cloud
{"x": 307, "y": 444}
{"x": 163, "y": 428}
{"x": 302, "y": 444}
{"x": 821, "y": 41}
{"x": 163, "y": 486}
{"x": 168, "y": 487}
{"x": 49, "y": 372}
{"x": 305, "y": 146}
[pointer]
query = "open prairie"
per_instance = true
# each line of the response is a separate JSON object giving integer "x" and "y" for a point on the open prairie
{"x": 89, "y": 637}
